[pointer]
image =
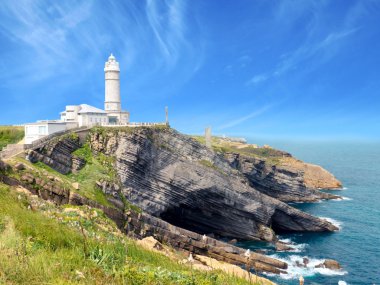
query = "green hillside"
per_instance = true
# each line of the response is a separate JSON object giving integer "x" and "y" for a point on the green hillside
{"x": 10, "y": 134}
{"x": 41, "y": 243}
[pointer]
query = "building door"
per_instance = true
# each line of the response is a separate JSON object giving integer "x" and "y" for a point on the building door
{"x": 112, "y": 120}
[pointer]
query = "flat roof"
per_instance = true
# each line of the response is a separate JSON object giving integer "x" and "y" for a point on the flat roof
{"x": 47, "y": 122}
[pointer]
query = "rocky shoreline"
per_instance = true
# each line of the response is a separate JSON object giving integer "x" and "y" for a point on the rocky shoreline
{"x": 187, "y": 191}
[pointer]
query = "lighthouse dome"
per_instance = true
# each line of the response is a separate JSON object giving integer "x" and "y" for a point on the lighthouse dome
{"x": 111, "y": 58}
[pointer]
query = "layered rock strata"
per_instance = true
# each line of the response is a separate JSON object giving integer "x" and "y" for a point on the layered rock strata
{"x": 289, "y": 180}
{"x": 57, "y": 154}
{"x": 173, "y": 177}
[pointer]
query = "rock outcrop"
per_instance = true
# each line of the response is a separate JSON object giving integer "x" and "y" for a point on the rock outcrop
{"x": 288, "y": 180}
{"x": 173, "y": 177}
{"x": 330, "y": 264}
{"x": 185, "y": 190}
{"x": 58, "y": 154}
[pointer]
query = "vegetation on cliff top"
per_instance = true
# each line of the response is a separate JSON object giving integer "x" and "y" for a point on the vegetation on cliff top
{"x": 41, "y": 243}
{"x": 10, "y": 134}
{"x": 221, "y": 145}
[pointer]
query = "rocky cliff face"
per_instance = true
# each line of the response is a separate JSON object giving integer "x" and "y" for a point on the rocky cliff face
{"x": 58, "y": 154}
{"x": 173, "y": 177}
{"x": 289, "y": 180}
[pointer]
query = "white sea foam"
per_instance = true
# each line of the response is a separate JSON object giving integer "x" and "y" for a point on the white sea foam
{"x": 334, "y": 222}
{"x": 285, "y": 240}
{"x": 296, "y": 267}
{"x": 341, "y": 282}
{"x": 296, "y": 247}
{"x": 342, "y": 198}
{"x": 346, "y": 198}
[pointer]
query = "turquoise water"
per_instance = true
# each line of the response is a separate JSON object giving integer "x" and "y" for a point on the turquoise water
{"x": 357, "y": 245}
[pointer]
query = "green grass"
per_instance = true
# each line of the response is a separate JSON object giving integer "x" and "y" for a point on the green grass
{"x": 99, "y": 167}
{"x": 47, "y": 246}
{"x": 209, "y": 164}
{"x": 84, "y": 152}
{"x": 86, "y": 178}
{"x": 272, "y": 156}
{"x": 10, "y": 135}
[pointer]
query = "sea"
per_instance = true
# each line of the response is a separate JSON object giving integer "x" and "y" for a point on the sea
{"x": 356, "y": 246}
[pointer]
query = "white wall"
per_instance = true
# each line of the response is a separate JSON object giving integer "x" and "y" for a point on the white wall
{"x": 92, "y": 119}
{"x": 34, "y": 132}
{"x": 70, "y": 114}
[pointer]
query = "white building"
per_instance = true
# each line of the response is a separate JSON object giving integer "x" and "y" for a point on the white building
{"x": 40, "y": 129}
{"x": 86, "y": 115}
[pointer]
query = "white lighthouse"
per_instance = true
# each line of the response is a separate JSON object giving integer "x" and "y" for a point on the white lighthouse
{"x": 112, "y": 103}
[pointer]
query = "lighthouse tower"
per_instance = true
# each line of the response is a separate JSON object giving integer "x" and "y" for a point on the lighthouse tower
{"x": 112, "y": 103}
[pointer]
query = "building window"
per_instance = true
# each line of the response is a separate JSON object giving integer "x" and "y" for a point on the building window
{"x": 42, "y": 130}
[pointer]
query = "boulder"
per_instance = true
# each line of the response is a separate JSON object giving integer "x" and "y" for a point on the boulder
{"x": 306, "y": 261}
{"x": 76, "y": 185}
{"x": 19, "y": 166}
{"x": 4, "y": 166}
{"x": 282, "y": 246}
{"x": 332, "y": 264}
{"x": 233, "y": 241}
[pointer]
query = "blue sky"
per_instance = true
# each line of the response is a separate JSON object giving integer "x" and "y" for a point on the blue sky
{"x": 257, "y": 68}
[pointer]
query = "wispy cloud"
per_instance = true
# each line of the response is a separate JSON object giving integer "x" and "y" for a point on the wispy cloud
{"x": 44, "y": 31}
{"x": 245, "y": 118}
{"x": 257, "y": 79}
{"x": 304, "y": 55}
{"x": 148, "y": 37}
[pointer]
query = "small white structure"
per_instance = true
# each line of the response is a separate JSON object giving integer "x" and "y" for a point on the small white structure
{"x": 40, "y": 129}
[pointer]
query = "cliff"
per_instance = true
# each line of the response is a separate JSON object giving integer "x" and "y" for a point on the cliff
{"x": 289, "y": 180}
{"x": 174, "y": 177}
{"x": 277, "y": 173}
{"x": 158, "y": 182}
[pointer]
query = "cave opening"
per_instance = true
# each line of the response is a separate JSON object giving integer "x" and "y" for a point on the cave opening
{"x": 192, "y": 219}
{"x": 282, "y": 222}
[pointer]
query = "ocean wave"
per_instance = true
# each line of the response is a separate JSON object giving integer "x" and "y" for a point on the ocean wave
{"x": 285, "y": 240}
{"x": 342, "y": 198}
{"x": 294, "y": 270}
{"x": 300, "y": 247}
{"x": 336, "y": 223}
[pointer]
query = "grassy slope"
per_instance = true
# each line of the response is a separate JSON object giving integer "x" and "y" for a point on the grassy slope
{"x": 10, "y": 134}
{"x": 97, "y": 168}
{"x": 46, "y": 246}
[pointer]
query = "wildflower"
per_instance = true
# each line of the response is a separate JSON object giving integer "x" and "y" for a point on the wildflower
{"x": 247, "y": 253}
{"x": 79, "y": 275}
